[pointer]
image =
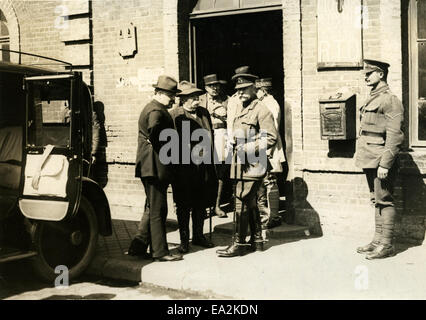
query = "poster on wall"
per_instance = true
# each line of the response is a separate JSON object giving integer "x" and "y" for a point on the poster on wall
{"x": 339, "y": 25}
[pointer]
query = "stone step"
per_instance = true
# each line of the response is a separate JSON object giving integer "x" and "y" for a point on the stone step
{"x": 281, "y": 232}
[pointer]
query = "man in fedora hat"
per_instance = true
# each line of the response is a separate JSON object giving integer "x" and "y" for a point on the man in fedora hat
{"x": 379, "y": 143}
{"x": 216, "y": 101}
{"x": 155, "y": 175}
{"x": 268, "y": 191}
{"x": 249, "y": 117}
{"x": 195, "y": 186}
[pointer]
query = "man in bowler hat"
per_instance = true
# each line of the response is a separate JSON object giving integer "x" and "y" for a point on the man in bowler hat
{"x": 216, "y": 102}
{"x": 155, "y": 175}
{"x": 249, "y": 117}
{"x": 195, "y": 186}
{"x": 378, "y": 145}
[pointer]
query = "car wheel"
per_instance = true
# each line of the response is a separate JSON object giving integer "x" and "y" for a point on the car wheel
{"x": 70, "y": 243}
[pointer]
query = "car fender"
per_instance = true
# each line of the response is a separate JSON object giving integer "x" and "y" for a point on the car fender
{"x": 96, "y": 195}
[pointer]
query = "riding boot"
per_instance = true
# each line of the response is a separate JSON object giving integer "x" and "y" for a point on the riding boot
{"x": 256, "y": 238}
{"x": 378, "y": 220}
{"x": 385, "y": 248}
{"x": 273, "y": 196}
{"x": 262, "y": 203}
{"x": 239, "y": 241}
{"x": 183, "y": 222}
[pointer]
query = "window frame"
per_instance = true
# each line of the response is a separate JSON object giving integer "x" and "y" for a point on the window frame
{"x": 413, "y": 47}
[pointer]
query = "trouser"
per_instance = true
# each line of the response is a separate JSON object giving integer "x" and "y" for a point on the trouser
{"x": 269, "y": 193}
{"x": 152, "y": 227}
{"x": 245, "y": 205}
{"x": 198, "y": 215}
{"x": 381, "y": 191}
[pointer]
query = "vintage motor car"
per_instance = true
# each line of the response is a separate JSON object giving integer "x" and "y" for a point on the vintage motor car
{"x": 50, "y": 210}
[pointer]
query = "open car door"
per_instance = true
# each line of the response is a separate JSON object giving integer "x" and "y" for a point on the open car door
{"x": 53, "y": 155}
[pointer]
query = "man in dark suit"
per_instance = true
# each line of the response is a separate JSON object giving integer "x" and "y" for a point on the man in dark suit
{"x": 195, "y": 186}
{"x": 155, "y": 175}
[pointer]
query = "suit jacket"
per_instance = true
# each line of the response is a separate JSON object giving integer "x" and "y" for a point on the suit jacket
{"x": 153, "y": 119}
{"x": 195, "y": 184}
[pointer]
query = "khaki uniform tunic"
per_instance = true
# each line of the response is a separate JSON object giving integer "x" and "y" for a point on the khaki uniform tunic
{"x": 256, "y": 116}
{"x": 381, "y": 133}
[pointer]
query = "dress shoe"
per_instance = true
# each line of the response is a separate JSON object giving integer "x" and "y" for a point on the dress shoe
{"x": 202, "y": 242}
{"x": 368, "y": 247}
{"x": 232, "y": 251}
{"x": 256, "y": 245}
{"x": 169, "y": 257}
{"x": 183, "y": 247}
{"x": 220, "y": 213}
{"x": 381, "y": 251}
{"x": 137, "y": 248}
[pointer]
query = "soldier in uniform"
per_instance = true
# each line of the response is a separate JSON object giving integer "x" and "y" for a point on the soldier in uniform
{"x": 268, "y": 191}
{"x": 249, "y": 118}
{"x": 216, "y": 101}
{"x": 379, "y": 143}
{"x": 155, "y": 175}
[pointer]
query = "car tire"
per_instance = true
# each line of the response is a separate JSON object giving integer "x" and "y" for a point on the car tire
{"x": 66, "y": 245}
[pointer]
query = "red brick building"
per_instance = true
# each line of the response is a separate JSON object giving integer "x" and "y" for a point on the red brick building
{"x": 311, "y": 48}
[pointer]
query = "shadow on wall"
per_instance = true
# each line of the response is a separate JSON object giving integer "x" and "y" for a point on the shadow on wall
{"x": 100, "y": 167}
{"x": 305, "y": 213}
{"x": 411, "y": 202}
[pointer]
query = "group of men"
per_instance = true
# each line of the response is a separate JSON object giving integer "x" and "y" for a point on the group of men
{"x": 240, "y": 127}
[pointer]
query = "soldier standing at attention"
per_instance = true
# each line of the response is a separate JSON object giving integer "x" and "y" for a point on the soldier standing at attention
{"x": 379, "y": 143}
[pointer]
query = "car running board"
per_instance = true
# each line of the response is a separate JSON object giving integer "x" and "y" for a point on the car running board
{"x": 8, "y": 254}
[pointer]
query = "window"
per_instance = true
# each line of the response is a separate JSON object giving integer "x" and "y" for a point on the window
{"x": 4, "y": 38}
{"x": 417, "y": 38}
{"x": 49, "y": 113}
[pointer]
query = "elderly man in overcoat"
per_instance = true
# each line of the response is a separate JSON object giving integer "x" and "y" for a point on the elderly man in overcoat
{"x": 379, "y": 143}
{"x": 195, "y": 186}
{"x": 155, "y": 175}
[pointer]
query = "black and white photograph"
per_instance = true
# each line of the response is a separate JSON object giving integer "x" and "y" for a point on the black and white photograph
{"x": 229, "y": 152}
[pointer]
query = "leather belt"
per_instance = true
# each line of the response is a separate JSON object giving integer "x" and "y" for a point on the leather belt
{"x": 372, "y": 134}
{"x": 219, "y": 126}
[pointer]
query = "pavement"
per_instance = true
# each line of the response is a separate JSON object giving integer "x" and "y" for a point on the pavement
{"x": 294, "y": 265}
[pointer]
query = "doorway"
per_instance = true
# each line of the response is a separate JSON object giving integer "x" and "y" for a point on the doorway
{"x": 221, "y": 44}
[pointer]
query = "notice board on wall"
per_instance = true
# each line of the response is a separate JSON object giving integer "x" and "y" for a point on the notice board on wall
{"x": 339, "y": 24}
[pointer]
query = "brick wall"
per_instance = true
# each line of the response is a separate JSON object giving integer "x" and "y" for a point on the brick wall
{"x": 336, "y": 200}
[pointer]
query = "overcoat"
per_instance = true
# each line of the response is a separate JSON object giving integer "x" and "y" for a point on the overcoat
{"x": 195, "y": 184}
{"x": 153, "y": 119}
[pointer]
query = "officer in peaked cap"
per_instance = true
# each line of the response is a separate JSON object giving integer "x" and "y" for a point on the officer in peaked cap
{"x": 378, "y": 145}
{"x": 249, "y": 116}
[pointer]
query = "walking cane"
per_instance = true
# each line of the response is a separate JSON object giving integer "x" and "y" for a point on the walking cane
{"x": 234, "y": 191}
{"x": 210, "y": 223}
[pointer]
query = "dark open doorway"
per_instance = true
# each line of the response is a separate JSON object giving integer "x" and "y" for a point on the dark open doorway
{"x": 223, "y": 43}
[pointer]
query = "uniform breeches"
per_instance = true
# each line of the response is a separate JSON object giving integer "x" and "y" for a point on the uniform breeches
{"x": 245, "y": 204}
{"x": 381, "y": 191}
